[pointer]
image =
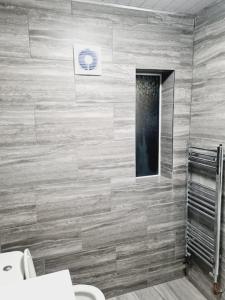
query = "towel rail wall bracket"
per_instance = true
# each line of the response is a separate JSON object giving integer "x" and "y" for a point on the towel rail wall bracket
{"x": 205, "y": 203}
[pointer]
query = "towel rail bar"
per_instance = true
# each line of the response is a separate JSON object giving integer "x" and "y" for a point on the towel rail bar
{"x": 209, "y": 205}
{"x": 201, "y": 159}
{"x": 199, "y": 255}
{"x": 195, "y": 195}
{"x": 202, "y": 149}
{"x": 207, "y": 236}
{"x": 209, "y": 247}
{"x": 199, "y": 186}
{"x": 207, "y": 252}
{"x": 200, "y": 211}
{"x": 202, "y": 165}
{"x": 198, "y": 231}
{"x": 201, "y": 207}
{"x": 203, "y": 240}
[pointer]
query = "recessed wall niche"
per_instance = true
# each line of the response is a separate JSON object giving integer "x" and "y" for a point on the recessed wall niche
{"x": 154, "y": 122}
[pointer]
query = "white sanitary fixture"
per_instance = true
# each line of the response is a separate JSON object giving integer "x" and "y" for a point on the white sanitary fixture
{"x": 16, "y": 266}
{"x": 11, "y": 267}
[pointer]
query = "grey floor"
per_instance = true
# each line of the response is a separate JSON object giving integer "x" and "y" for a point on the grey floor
{"x": 180, "y": 289}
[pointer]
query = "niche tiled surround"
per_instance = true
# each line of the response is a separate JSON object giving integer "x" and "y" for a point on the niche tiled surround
{"x": 67, "y": 159}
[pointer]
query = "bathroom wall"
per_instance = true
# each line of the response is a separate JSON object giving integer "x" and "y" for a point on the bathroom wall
{"x": 208, "y": 105}
{"x": 67, "y": 158}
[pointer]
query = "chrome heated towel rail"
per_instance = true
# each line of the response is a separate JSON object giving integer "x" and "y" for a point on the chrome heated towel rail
{"x": 204, "y": 202}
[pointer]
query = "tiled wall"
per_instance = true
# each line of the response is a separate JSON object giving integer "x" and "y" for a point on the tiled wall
{"x": 67, "y": 158}
{"x": 208, "y": 105}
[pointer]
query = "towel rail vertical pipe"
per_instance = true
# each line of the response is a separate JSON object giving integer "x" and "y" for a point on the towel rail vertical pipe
{"x": 217, "y": 227}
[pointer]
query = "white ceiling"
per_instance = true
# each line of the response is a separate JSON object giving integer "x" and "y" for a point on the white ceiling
{"x": 174, "y": 6}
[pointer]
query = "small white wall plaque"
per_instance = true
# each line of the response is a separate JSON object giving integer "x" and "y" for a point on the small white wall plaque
{"x": 87, "y": 60}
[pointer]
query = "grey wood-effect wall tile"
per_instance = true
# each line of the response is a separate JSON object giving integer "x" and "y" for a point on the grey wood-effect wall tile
{"x": 161, "y": 247}
{"x": 163, "y": 273}
{"x": 116, "y": 85}
{"x": 23, "y": 83}
{"x": 124, "y": 121}
{"x": 211, "y": 16}
{"x": 72, "y": 199}
{"x": 85, "y": 266}
{"x": 28, "y": 69}
{"x": 17, "y": 135}
{"x": 72, "y": 123}
{"x": 142, "y": 193}
{"x": 53, "y": 36}
{"x": 16, "y": 111}
{"x": 179, "y": 22}
{"x": 47, "y": 239}
{"x": 130, "y": 248}
{"x": 14, "y": 32}
{"x": 126, "y": 282}
{"x": 69, "y": 146}
{"x": 129, "y": 266}
{"x": 116, "y": 18}
{"x": 100, "y": 274}
{"x": 167, "y": 113}
{"x": 108, "y": 159}
{"x": 141, "y": 254}
{"x": 172, "y": 214}
{"x": 141, "y": 46}
{"x": 181, "y": 122}
{"x": 39, "y": 265}
{"x": 154, "y": 16}
{"x": 111, "y": 228}
{"x": 55, "y": 5}
{"x": 50, "y": 35}
{"x": 35, "y": 165}
{"x": 37, "y": 79}
{"x": 180, "y": 246}
{"x": 207, "y": 107}
{"x": 98, "y": 32}
{"x": 17, "y": 119}
{"x": 17, "y": 207}
{"x": 208, "y": 76}
{"x": 93, "y": 9}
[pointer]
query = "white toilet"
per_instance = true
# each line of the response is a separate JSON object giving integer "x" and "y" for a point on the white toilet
{"x": 81, "y": 291}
